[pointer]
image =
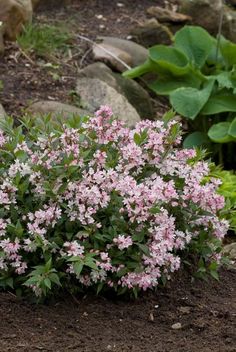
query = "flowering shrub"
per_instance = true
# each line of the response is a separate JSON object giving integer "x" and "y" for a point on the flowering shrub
{"x": 94, "y": 203}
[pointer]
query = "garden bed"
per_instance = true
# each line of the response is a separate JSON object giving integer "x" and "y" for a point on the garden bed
{"x": 205, "y": 310}
{"x": 187, "y": 315}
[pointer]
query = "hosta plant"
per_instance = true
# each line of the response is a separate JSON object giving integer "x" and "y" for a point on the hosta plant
{"x": 93, "y": 203}
{"x": 198, "y": 75}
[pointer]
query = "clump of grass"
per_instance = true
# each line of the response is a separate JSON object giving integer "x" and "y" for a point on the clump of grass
{"x": 47, "y": 41}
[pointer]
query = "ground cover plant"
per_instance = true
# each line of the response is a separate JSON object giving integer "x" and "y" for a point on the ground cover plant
{"x": 92, "y": 203}
{"x": 44, "y": 40}
{"x": 197, "y": 73}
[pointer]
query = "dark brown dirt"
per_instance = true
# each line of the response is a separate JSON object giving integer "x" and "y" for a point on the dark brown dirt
{"x": 24, "y": 77}
{"x": 205, "y": 310}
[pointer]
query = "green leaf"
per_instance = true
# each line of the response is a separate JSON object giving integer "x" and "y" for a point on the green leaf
{"x": 232, "y": 129}
{"x": 195, "y": 139}
{"x": 139, "y": 70}
{"x": 214, "y": 274}
{"x": 168, "y": 59}
{"x": 55, "y": 279}
{"x": 219, "y": 133}
{"x": 168, "y": 83}
{"x": 190, "y": 101}
{"x": 195, "y": 43}
{"x": 47, "y": 283}
{"x": 220, "y": 103}
{"x": 144, "y": 248}
{"x": 78, "y": 267}
{"x": 228, "y": 51}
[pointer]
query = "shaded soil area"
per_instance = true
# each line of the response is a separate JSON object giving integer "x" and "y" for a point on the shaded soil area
{"x": 205, "y": 310}
{"x": 25, "y": 78}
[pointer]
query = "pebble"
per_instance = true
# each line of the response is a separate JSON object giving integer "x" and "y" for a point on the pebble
{"x": 120, "y": 4}
{"x": 176, "y": 326}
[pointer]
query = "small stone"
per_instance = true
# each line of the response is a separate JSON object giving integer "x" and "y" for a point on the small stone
{"x": 176, "y": 326}
{"x": 120, "y": 4}
{"x": 99, "y": 17}
{"x": 151, "y": 317}
{"x": 184, "y": 310}
{"x": 102, "y": 26}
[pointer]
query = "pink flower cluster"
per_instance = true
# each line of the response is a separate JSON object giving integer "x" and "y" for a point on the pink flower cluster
{"x": 125, "y": 200}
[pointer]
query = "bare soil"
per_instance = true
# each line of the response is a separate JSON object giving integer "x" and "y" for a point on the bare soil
{"x": 205, "y": 310}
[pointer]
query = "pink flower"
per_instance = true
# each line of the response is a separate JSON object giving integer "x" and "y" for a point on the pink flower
{"x": 123, "y": 242}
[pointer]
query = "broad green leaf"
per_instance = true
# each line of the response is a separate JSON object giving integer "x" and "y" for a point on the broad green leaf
{"x": 220, "y": 103}
{"x": 169, "y": 59}
{"x": 195, "y": 43}
{"x": 139, "y": 70}
{"x": 232, "y": 129}
{"x": 219, "y": 133}
{"x": 188, "y": 101}
{"x": 195, "y": 139}
{"x": 167, "y": 84}
{"x": 228, "y": 51}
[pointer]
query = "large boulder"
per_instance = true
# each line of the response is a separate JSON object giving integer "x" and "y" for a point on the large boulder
{"x": 95, "y": 92}
{"x": 151, "y": 32}
{"x": 137, "y": 52}
{"x": 205, "y": 13}
{"x": 136, "y": 94}
{"x": 211, "y": 12}
{"x": 55, "y": 108}
{"x": 14, "y": 14}
{"x": 118, "y": 59}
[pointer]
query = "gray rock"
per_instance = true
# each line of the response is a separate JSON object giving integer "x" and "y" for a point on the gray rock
{"x": 165, "y": 15}
{"x": 151, "y": 32}
{"x": 136, "y": 94}
{"x": 114, "y": 57}
{"x": 210, "y": 13}
{"x": 2, "y": 112}
{"x": 55, "y": 109}
{"x": 230, "y": 250}
{"x": 137, "y": 52}
{"x": 95, "y": 92}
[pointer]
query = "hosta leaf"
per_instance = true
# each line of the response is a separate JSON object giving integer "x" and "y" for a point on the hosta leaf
{"x": 190, "y": 101}
{"x": 219, "y": 133}
{"x": 195, "y": 139}
{"x": 166, "y": 85}
{"x": 232, "y": 129}
{"x": 196, "y": 43}
{"x": 220, "y": 103}
{"x": 169, "y": 59}
{"x": 228, "y": 51}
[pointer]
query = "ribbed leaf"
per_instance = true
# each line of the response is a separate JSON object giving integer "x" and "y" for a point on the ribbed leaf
{"x": 196, "y": 43}
{"x": 188, "y": 102}
{"x": 220, "y": 103}
{"x": 219, "y": 133}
